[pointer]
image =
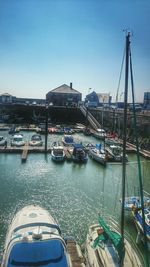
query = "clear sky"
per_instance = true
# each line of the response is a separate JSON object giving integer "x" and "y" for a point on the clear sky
{"x": 46, "y": 43}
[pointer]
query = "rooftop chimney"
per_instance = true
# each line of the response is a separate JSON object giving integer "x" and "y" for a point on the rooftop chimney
{"x": 71, "y": 85}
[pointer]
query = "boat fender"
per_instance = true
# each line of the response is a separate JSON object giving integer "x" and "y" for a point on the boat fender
{"x": 100, "y": 231}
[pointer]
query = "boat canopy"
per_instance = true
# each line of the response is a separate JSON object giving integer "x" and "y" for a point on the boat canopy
{"x": 78, "y": 146}
{"x": 113, "y": 236}
{"x": 68, "y": 139}
{"x": 46, "y": 253}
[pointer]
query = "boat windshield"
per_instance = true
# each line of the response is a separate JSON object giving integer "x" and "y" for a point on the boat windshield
{"x": 18, "y": 138}
{"x": 36, "y": 138}
{"x": 38, "y": 253}
{"x": 58, "y": 151}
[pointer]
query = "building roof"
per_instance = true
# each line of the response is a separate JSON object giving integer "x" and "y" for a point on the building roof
{"x": 5, "y": 94}
{"x": 64, "y": 89}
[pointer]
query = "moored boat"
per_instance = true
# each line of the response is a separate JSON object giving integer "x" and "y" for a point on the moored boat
{"x": 36, "y": 140}
{"x": 137, "y": 215}
{"x": 17, "y": 140}
{"x": 79, "y": 154}
{"x": 129, "y": 202}
{"x": 68, "y": 140}
{"x": 105, "y": 247}
{"x": 114, "y": 153}
{"x": 3, "y": 141}
{"x": 98, "y": 154}
{"x": 58, "y": 153}
{"x": 100, "y": 134}
{"x": 34, "y": 239}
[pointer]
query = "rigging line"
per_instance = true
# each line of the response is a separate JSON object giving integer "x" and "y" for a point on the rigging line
{"x": 139, "y": 163}
{"x": 122, "y": 64}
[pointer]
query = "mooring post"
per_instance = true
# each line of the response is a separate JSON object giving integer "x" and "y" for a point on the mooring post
{"x": 46, "y": 127}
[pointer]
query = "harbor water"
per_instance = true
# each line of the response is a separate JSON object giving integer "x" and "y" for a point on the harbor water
{"x": 73, "y": 193}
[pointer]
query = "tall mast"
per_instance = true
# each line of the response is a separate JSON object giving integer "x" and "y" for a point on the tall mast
{"x": 124, "y": 130}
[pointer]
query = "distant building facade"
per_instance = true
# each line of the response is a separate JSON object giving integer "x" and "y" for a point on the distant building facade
{"x": 63, "y": 95}
{"x": 98, "y": 99}
{"x": 9, "y": 99}
{"x": 146, "y": 102}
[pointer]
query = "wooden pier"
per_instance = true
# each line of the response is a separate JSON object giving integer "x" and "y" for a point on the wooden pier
{"x": 76, "y": 256}
{"x": 24, "y": 152}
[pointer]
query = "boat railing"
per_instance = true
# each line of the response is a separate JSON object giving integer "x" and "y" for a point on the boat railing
{"x": 49, "y": 225}
{"x": 147, "y": 194}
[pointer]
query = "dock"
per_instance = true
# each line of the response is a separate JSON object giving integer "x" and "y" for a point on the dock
{"x": 24, "y": 152}
{"x": 68, "y": 153}
{"x": 75, "y": 253}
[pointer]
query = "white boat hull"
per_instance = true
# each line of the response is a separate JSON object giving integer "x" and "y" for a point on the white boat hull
{"x": 104, "y": 255}
{"x": 34, "y": 239}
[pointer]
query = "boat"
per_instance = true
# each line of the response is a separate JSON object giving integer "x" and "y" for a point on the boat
{"x": 3, "y": 141}
{"x": 58, "y": 153}
{"x": 87, "y": 131}
{"x": 135, "y": 201}
{"x": 34, "y": 239}
{"x": 36, "y": 140}
{"x": 79, "y": 154}
{"x": 105, "y": 246}
{"x": 100, "y": 134}
{"x": 68, "y": 140}
{"x": 17, "y": 140}
{"x": 137, "y": 215}
{"x": 52, "y": 130}
{"x": 114, "y": 153}
{"x": 98, "y": 154}
{"x": 107, "y": 243}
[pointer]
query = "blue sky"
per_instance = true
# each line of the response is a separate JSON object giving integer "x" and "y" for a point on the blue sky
{"x": 46, "y": 43}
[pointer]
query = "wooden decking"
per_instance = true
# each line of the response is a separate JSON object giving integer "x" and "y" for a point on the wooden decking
{"x": 76, "y": 256}
{"x": 24, "y": 152}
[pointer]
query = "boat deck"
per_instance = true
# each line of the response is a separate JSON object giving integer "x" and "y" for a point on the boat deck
{"x": 76, "y": 256}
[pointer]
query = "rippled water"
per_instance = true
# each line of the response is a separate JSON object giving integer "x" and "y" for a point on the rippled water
{"x": 73, "y": 193}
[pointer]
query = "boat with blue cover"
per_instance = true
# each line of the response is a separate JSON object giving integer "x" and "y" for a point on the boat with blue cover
{"x": 34, "y": 239}
{"x": 36, "y": 140}
{"x": 129, "y": 202}
{"x": 137, "y": 215}
{"x": 68, "y": 140}
{"x": 79, "y": 154}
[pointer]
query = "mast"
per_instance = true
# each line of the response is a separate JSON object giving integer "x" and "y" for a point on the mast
{"x": 125, "y": 131}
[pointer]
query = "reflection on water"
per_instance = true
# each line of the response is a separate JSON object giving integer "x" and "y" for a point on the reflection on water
{"x": 73, "y": 193}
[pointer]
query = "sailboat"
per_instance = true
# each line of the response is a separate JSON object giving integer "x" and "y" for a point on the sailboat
{"x": 106, "y": 245}
{"x": 34, "y": 239}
